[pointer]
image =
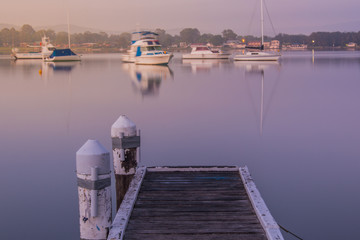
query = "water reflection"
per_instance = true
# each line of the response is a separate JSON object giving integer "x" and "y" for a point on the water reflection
{"x": 256, "y": 66}
{"x": 147, "y": 78}
{"x": 322, "y": 58}
{"x": 255, "y": 79}
{"x": 61, "y": 66}
{"x": 203, "y": 65}
{"x": 27, "y": 66}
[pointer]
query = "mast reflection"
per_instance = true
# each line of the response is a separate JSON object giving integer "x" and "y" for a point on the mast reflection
{"x": 255, "y": 71}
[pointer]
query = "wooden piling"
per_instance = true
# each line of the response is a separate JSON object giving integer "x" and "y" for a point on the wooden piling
{"x": 125, "y": 142}
{"x": 94, "y": 180}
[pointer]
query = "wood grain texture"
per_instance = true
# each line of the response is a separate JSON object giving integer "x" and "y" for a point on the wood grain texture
{"x": 193, "y": 205}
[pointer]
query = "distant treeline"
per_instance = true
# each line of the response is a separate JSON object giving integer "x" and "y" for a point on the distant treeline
{"x": 12, "y": 37}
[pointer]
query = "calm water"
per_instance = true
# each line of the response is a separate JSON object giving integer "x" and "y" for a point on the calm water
{"x": 295, "y": 124}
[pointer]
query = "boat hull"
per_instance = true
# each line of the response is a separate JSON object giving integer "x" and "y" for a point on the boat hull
{"x": 63, "y": 58}
{"x": 127, "y": 58}
{"x": 205, "y": 56}
{"x": 29, "y": 55}
{"x": 162, "y": 59}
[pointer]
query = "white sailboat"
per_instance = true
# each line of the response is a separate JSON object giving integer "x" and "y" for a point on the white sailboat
{"x": 258, "y": 55}
{"x": 63, "y": 55}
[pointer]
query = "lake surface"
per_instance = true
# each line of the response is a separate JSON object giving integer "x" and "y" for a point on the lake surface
{"x": 295, "y": 124}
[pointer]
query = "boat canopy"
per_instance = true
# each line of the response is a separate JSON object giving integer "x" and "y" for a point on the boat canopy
{"x": 143, "y": 35}
{"x": 62, "y": 52}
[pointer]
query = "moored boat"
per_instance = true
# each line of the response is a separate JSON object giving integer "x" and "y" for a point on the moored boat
{"x": 46, "y": 49}
{"x": 146, "y": 49}
{"x": 62, "y": 55}
{"x": 258, "y": 55}
{"x": 204, "y": 52}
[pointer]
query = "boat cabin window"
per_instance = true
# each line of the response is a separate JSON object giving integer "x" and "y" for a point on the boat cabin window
{"x": 152, "y": 48}
{"x": 201, "y": 49}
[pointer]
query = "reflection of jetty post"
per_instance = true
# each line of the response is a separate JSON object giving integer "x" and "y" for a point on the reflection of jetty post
{"x": 93, "y": 177}
{"x": 124, "y": 144}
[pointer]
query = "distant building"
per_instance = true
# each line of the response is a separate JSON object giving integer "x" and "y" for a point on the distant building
{"x": 254, "y": 44}
{"x": 294, "y": 47}
{"x": 234, "y": 44}
{"x": 183, "y": 44}
{"x": 275, "y": 44}
{"x": 266, "y": 44}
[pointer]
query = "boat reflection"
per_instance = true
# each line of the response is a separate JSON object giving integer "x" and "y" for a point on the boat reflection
{"x": 256, "y": 67}
{"x": 49, "y": 69}
{"x": 147, "y": 78}
{"x": 203, "y": 65}
{"x": 45, "y": 66}
{"x": 61, "y": 66}
{"x": 255, "y": 76}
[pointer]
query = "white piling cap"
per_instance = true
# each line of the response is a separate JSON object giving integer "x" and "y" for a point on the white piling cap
{"x": 125, "y": 125}
{"x": 92, "y": 154}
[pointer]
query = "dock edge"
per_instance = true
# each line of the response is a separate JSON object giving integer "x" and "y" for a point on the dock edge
{"x": 267, "y": 221}
{"x": 122, "y": 217}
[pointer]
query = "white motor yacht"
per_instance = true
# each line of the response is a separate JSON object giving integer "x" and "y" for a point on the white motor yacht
{"x": 257, "y": 56}
{"x": 204, "y": 52}
{"x": 46, "y": 49}
{"x": 146, "y": 49}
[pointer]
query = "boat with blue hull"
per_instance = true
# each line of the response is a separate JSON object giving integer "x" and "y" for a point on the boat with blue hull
{"x": 62, "y": 55}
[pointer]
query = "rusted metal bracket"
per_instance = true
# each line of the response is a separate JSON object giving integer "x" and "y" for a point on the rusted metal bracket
{"x": 126, "y": 142}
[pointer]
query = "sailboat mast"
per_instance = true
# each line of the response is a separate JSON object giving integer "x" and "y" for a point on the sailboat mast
{"x": 262, "y": 22}
{"x": 262, "y": 102}
{"x": 68, "y": 22}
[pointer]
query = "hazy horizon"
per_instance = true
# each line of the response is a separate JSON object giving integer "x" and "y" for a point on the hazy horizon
{"x": 292, "y": 17}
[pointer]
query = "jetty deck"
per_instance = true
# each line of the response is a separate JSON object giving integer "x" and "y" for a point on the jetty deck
{"x": 193, "y": 203}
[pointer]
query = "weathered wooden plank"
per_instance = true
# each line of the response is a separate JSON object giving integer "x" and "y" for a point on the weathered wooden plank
{"x": 188, "y": 169}
{"x": 194, "y": 225}
{"x": 199, "y": 217}
{"x": 219, "y": 236}
{"x": 197, "y": 230}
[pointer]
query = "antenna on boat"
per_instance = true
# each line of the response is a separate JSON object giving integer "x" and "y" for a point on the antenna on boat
{"x": 68, "y": 23}
{"x": 262, "y": 24}
{"x": 262, "y": 102}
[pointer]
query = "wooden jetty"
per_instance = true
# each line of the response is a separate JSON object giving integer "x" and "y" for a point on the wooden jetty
{"x": 193, "y": 203}
{"x": 172, "y": 203}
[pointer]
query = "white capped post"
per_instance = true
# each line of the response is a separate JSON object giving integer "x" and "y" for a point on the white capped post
{"x": 125, "y": 142}
{"x": 94, "y": 180}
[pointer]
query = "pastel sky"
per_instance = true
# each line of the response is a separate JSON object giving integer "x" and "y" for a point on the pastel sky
{"x": 210, "y": 16}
